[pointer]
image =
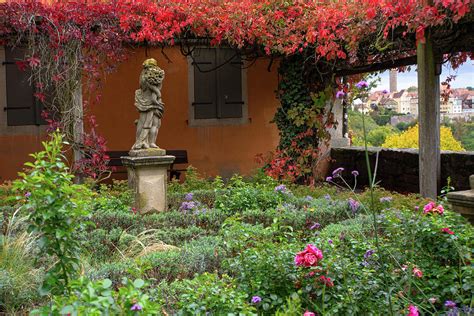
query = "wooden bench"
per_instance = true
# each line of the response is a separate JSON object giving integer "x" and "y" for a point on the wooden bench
{"x": 175, "y": 173}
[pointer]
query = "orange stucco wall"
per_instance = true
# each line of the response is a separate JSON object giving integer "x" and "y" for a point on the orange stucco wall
{"x": 214, "y": 150}
{"x": 14, "y": 151}
{"x": 222, "y": 150}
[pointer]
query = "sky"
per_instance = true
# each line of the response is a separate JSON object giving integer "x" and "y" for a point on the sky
{"x": 464, "y": 77}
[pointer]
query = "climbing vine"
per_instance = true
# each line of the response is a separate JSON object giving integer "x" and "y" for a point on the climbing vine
{"x": 72, "y": 44}
{"x": 303, "y": 119}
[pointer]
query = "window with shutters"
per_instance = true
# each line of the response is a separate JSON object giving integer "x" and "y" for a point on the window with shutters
{"x": 217, "y": 81}
{"x": 22, "y": 108}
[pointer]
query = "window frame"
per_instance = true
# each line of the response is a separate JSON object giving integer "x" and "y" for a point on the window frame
{"x": 194, "y": 122}
{"x": 6, "y": 129}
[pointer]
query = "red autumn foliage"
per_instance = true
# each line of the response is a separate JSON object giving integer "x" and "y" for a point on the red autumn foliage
{"x": 333, "y": 30}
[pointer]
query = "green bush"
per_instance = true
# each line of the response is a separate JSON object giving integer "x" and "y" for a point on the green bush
{"x": 208, "y": 294}
{"x": 197, "y": 256}
{"x": 266, "y": 270}
{"x": 57, "y": 210}
{"x": 98, "y": 298}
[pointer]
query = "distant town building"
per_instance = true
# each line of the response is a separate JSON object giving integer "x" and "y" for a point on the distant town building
{"x": 454, "y": 103}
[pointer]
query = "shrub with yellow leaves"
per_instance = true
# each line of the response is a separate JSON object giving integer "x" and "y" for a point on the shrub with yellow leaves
{"x": 409, "y": 139}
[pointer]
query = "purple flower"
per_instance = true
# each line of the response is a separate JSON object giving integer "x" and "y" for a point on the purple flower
{"x": 187, "y": 206}
{"x": 189, "y": 196}
{"x": 385, "y": 91}
{"x": 136, "y": 307}
{"x": 355, "y": 173}
{"x": 328, "y": 179}
{"x": 281, "y": 188}
{"x": 27, "y": 194}
{"x": 354, "y": 205}
{"x": 256, "y": 299}
{"x": 340, "y": 94}
{"x": 330, "y": 241}
{"x": 315, "y": 226}
{"x": 362, "y": 84}
{"x": 450, "y": 304}
{"x": 386, "y": 199}
{"x": 327, "y": 196}
{"x": 368, "y": 253}
{"x": 337, "y": 172}
{"x": 308, "y": 198}
{"x": 417, "y": 208}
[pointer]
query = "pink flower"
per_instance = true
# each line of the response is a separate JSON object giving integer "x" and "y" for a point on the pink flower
{"x": 413, "y": 311}
{"x": 428, "y": 207}
{"x": 309, "y": 256}
{"x": 340, "y": 94}
{"x": 314, "y": 250}
{"x": 447, "y": 230}
{"x": 310, "y": 260}
{"x": 308, "y": 313}
{"x": 417, "y": 273}
{"x": 299, "y": 259}
{"x": 440, "y": 209}
{"x": 432, "y": 208}
{"x": 326, "y": 281}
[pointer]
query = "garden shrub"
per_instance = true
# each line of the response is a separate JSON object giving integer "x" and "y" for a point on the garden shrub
{"x": 409, "y": 139}
{"x": 7, "y": 196}
{"x": 57, "y": 211}
{"x": 207, "y": 294}
{"x": 205, "y": 197}
{"x": 201, "y": 255}
{"x": 19, "y": 277}
{"x": 115, "y": 271}
{"x": 98, "y": 298}
{"x": 266, "y": 270}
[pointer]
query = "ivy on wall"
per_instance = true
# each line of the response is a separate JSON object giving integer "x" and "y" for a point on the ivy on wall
{"x": 302, "y": 120}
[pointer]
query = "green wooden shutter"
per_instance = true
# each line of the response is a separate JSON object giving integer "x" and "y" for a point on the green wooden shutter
{"x": 229, "y": 84}
{"x": 205, "y": 85}
{"x": 22, "y": 107}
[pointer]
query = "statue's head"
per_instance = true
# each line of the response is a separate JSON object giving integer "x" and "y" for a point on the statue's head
{"x": 150, "y": 62}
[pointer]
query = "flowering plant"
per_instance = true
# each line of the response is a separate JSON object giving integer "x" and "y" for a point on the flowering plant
{"x": 432, "y": 208}
{"x": 309, "y": 257}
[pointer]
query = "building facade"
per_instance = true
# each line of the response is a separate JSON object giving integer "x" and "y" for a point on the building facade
{"x": 220, "y": 115}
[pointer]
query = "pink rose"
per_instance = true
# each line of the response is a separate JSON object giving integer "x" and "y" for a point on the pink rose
{"x": 315, "y": 251}
{"x": 308, "y": 313}
{"x": 310, "y": 260}
{"x": 428, "y": 207}
{"x": 299, "y": 258}
{"x": 413, "y": 311}
{"x": 447, "y": 230}
{"x": 417, "y": 273}
{"x": 440, "y": 209}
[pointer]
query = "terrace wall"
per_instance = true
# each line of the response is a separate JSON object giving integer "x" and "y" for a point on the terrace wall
{"x": 397, "y": 169}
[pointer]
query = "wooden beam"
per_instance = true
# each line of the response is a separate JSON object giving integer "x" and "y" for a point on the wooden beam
{"x": 429, "y": 119}
{"x": 382, "y": 65}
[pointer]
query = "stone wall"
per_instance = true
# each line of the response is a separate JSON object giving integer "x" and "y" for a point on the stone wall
{"x": 397, "y": 169}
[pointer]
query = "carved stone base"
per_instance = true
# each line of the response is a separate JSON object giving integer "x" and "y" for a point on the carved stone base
{"x": 147, "y": 177}
{"x": 150, "y": 152}
{"x": 463, "y": 201}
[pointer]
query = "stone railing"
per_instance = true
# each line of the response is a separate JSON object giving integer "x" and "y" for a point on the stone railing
{"x": 397, "y": 169}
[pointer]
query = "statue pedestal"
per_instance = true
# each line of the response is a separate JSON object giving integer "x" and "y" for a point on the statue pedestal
{"x": 147, "y": 177}
{"x": 463, "y": 201}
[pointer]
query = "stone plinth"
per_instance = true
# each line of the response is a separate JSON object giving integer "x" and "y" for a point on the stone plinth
{"x": 147, "y": 177}
{"x": 463, "y": 201}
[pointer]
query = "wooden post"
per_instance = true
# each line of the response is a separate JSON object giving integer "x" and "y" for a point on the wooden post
{"x": 429, "y": 117}
{"x": 78, "y": 128}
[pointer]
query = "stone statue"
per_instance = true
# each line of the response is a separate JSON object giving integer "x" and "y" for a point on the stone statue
{"x": 149, "y": 104}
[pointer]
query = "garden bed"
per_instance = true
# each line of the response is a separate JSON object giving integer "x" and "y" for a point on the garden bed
{"x": 242, "y": 247}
